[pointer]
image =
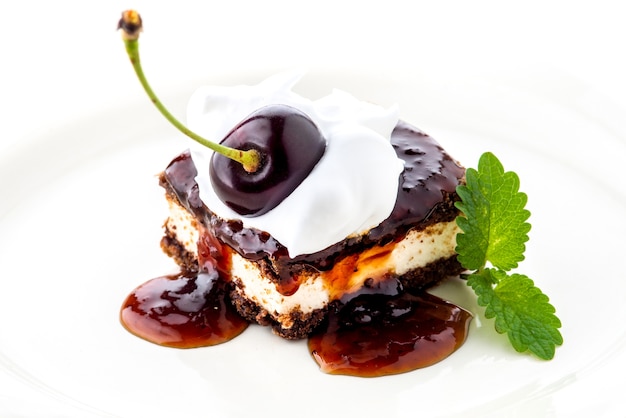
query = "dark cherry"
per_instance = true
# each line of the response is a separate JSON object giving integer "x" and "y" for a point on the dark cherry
{"x": 290, "y": 145}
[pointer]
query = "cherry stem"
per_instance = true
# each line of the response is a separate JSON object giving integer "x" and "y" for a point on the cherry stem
{"x": 131, "y": 26}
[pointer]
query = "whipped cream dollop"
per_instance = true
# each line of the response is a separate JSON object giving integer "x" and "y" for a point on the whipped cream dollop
{"x": 351, "y": 189}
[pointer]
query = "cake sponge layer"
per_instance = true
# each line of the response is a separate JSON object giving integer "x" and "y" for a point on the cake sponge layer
{"x": 419, "y": 258}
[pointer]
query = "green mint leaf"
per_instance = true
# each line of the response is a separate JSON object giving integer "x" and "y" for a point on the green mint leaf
{"x": 494, "y": 223}
{"x": 520, "y": 310}
{"x": 494, "y": 230}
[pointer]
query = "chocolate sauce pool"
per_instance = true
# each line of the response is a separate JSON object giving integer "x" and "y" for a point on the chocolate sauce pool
{"x": 185, "y": 310}
{"x": 386, "y": 331}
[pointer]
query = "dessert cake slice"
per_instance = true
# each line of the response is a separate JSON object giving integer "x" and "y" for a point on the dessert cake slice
{"x": 322, "y": 218}
{"x": 415, "y": 243}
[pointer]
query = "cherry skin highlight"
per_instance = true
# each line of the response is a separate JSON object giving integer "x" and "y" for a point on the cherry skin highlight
{"x": 290, "y": 145}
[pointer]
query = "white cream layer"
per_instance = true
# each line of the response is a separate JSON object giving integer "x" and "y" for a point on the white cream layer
{"x": 418, "y": 249}
{"x": 335, "y": 200}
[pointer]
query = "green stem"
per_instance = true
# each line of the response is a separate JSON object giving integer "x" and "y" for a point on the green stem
{"x": 250, "y": 159}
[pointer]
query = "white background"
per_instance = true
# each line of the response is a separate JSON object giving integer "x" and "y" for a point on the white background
{"x": 61, "y": 61}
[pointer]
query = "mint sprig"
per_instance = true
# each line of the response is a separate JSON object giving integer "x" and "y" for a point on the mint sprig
{"x": 495, "y": 230}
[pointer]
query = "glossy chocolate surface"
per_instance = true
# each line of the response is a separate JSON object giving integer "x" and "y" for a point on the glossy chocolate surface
{"x": 384, "y": 331}
{"x": 185, "y": 310}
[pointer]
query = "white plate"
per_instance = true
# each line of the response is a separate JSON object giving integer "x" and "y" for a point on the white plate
{"x": 80, "y": 217}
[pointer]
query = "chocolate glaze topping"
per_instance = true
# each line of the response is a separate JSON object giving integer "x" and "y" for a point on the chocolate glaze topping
{"x": 429, "y": 179}
{"x": 429, "y": 174}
